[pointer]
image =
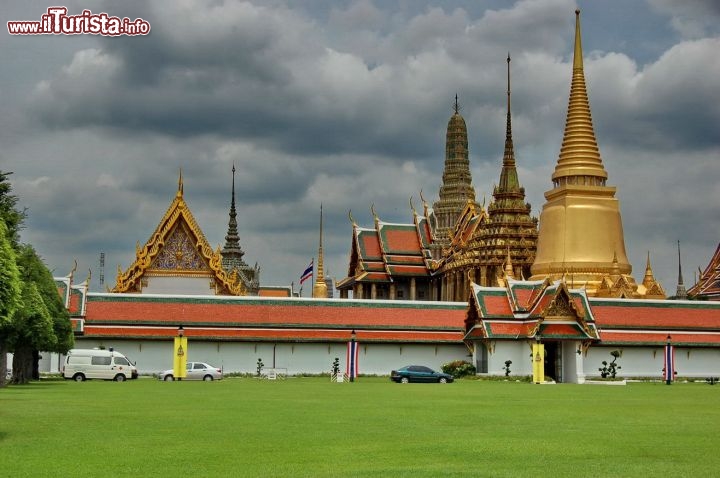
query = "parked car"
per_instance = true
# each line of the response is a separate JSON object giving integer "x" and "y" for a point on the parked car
{"x": 195, "y": 371}
{"x": 419, "y": 373}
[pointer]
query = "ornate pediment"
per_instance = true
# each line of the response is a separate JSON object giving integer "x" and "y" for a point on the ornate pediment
{"x": 179, "y": 254}
{"x": 562, "y": 306}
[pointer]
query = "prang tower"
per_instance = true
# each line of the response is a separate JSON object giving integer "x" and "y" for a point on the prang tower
{"x": 581, "y": 235}
{"x": 457, "y": 189}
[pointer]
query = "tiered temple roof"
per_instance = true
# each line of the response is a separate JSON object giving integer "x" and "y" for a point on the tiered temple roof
{"x": 389, "y": 251}
{"x": 529, "y": 310}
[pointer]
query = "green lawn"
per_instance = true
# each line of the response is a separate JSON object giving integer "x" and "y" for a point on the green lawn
{"x": 311, "y": 427}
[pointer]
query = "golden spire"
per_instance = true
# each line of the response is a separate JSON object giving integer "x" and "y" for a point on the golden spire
{"x": 320, "y": 290}
{"x": 649, "y": 278}
{"x": 579, "y": 154}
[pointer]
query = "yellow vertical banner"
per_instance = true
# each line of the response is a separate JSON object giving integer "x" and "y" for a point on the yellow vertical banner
{"x": 180, "y": 357}
{"x": 538, "y": 362}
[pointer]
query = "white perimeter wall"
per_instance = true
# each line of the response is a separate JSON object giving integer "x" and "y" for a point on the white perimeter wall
{"x": 374, "y": 359}
{"x": 635, "y": 361}
{"x": 648, "y": 361}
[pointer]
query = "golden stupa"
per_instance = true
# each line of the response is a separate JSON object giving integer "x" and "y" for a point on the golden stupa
{"x": 580, "y": 238}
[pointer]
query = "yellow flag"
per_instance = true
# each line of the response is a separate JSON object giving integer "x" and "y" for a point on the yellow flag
{"x": 180, "y": 357}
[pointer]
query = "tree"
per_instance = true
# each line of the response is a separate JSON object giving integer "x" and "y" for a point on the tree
{"x": 10, "y": 295}
{"x": 32, "y": 329}
{"x": 47, "y": 305}
{"x": 9, "y": 213}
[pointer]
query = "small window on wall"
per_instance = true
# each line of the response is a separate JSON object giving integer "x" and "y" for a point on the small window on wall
{"x": 400, "y": 294}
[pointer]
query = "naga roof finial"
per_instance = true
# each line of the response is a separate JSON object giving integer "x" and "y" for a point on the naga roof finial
{"x": 180, "y": 184}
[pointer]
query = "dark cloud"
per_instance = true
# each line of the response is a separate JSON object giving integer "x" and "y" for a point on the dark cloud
{"x": 346, "y": 104}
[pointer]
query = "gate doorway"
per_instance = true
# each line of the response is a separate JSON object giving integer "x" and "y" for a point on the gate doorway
{"x": 553, "y": 361}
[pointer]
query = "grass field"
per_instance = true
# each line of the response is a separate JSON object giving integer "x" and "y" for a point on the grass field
{"x": 311, "y": 427}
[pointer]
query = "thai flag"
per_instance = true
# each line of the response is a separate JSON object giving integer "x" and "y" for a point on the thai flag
{"x": 352, "y": 359}
{"x": 669, "y": 370}
{"x": 308, "y": 273}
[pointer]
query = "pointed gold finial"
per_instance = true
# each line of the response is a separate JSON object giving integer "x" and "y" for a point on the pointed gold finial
{"x": 578, "y": 55}
{"x": 180, "y": 185}
{"x": 412, "y": 206}
{"x": 374, "y": 213}
{"x": 320, "y": 290}
{"x": 579, "y": 154}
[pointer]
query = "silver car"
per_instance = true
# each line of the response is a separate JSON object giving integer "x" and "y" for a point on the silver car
{"x": 195, "y": 371}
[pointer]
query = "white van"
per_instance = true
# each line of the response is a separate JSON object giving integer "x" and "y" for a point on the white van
{"x": 83, "y": 364}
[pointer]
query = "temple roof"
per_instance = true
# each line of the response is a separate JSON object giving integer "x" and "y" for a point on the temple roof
{"x": 708, "y": 285}
{"x": 389, "y": 250}
{"x": 177, "y": 248}
{"x": 528, "y": 310}
{"x": 525, "y": 309}
{"x": 272, "y": 319}
{"x": 646, "y": 322}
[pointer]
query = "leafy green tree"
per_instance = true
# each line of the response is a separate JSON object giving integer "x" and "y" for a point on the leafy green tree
{"x": 10, "y": 295}
{"x": 26, "y": 347}
{"x": 10, "y": 215}
{"x": 27, "y": 268}
{"x": 32, "y": 330}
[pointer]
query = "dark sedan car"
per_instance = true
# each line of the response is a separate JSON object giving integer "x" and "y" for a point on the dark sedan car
{"x": 419, "y": 373}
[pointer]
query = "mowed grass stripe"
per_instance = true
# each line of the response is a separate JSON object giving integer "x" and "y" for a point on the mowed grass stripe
{"x": 312, "y": 427}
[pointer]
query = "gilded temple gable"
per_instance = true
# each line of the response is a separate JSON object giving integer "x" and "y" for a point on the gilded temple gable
{"x": 178, "y": 248}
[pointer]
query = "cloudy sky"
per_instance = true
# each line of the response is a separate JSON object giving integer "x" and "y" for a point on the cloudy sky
{"x": 346, "y": 103}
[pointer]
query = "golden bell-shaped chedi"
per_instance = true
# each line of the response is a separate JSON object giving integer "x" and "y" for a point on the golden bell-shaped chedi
{"x": 581, "y": 236}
